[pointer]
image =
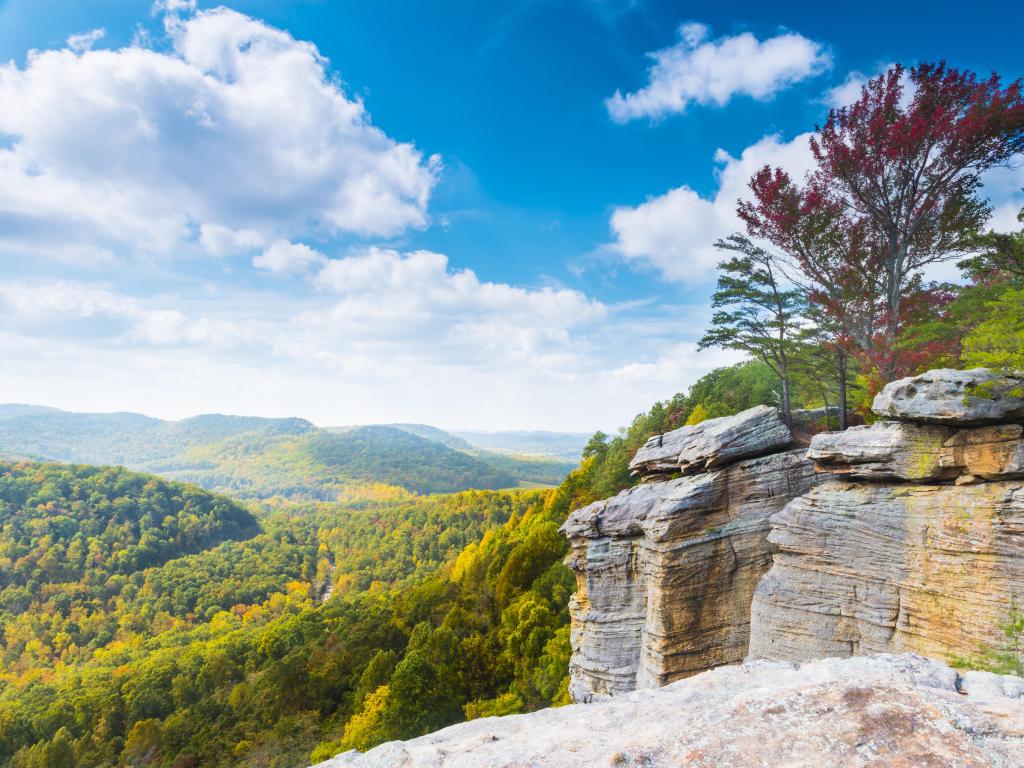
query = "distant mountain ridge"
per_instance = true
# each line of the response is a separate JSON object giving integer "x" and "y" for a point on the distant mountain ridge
{"x": 529, "y": 442}
{"x": 263, "y": 457}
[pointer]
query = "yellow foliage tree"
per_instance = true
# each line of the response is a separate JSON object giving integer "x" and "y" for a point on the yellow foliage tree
{"x": 697, "y": 415}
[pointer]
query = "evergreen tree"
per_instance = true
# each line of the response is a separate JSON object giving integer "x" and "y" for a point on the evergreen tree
{"x": 756, "y": 314}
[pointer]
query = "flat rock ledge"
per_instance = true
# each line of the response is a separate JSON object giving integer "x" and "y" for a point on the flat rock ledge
{"x": 898, "y": 450}
{"x": 949, "y": 396}
{"x": 902, "y": 711}
{"x": 713, "y": 443}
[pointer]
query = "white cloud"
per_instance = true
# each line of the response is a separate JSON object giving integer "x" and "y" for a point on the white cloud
{"x": 379, "y": 336}
{"x": 283, "y": 256}
{"x": 702, "y": 71}
{"x": 238, "y": 125}
{"x": 1004, "y": 188}
{"x": 220, "y": 241}
{"x": 173, "y": 6}
{"x": 674, "y": 233}
{"x": 416, "y": 306}
{"x": 86, "y": 40}
{"x": 89, "y": 311}
{"x": 849, "y": 90}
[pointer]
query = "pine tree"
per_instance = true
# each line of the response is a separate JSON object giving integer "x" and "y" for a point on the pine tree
{"x": 756, "y": 314}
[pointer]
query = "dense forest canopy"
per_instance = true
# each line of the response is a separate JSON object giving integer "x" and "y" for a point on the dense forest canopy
{"x": 226, "y": 656}
{"x": 441, "y": 608}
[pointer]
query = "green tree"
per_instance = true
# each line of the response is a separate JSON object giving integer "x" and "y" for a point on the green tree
{"x": 1000, "y": 256}
{"x": 998, "y": 342}
{"x": 418, "y": 700}
{"x": 756, "y": 314}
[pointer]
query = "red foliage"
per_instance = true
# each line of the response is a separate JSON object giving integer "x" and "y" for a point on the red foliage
{"x": 895, "y": 189}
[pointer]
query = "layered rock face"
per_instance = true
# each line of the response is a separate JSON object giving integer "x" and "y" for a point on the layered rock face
{"x": 895, "y": 711}
{"x": 666, "y": 571}
{"x": 920, "y": 545}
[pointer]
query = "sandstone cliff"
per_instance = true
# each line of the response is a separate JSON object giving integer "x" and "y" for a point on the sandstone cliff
{"x": 894, "y": 711}
{"x": 918, "y": 542}
{"x": 666, "y": 571}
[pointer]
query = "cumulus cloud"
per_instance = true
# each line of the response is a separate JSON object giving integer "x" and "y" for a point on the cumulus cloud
{"x": 283, "y": 256}
{"x": 415, "y": 305}
{"x": 236, "y": 125}
{"x": 848, "y": 91}
{"x": 697, "y": 70}
{"x": 80, "y": 311}
{"x": 674, "y": 233}
{"x": 1004, "y": 187}
{"x": 220, "y": 241}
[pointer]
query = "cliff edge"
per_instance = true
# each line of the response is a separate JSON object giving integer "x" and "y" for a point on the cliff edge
{"x": 896, "y": 711}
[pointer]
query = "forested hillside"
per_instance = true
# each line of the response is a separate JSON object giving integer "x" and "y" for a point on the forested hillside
{"x": 130, "y": 439}
{"x": 441, "y": 608}
{"x": 226, "y": 657}
{"x": 260, "y": 458}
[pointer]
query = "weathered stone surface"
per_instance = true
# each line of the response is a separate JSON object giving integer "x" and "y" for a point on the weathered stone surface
{"x": 897, "y": 450}
{"x": 947, "y": 396}
{"x": 885, "y": 450}
{"x": 986, "y": 453}
{"x": 893, "y": 711}
{"x": 866, "y": 568}
{"x": 666, "y": 572}
{"x": 713, "y": 443}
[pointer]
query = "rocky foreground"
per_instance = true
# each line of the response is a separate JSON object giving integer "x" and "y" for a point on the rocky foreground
{"x": 896, "y": 711}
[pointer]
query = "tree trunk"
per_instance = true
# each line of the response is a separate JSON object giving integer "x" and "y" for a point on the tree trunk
{"x": 889, "y": 369}
{"x": 787, "y": 413}
{"x": 842, "y": 391}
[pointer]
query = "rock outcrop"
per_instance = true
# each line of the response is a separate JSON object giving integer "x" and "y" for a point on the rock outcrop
{"x": 666, "y": 570}
{"x": 895, "y": 711}
{"x": 713, "y": 443}
{"x": 893, "y": 450}
{"x": 947, "y": 396}
{"x": 920, "y": 546}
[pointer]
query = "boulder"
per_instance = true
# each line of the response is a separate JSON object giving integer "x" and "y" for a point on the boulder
{"x": 666, "y": 571}
{"x": 897, "y": 450}
{"x": 863, "y": 568}
{"x": 713, "y": 443}
{"x": 947, "y": 396}
{"x": 895, "y": 711}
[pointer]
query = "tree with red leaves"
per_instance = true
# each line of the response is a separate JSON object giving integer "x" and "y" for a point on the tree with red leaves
{"x": 905, "y": 162}
{"x": 826, "y": 253}
{"x": 895, "y": 190}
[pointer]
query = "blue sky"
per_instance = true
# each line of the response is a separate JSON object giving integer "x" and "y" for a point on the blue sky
{"x": 436, "y": 212}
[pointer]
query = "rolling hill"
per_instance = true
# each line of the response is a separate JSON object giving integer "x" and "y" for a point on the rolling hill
{"x": 262, "y": 457}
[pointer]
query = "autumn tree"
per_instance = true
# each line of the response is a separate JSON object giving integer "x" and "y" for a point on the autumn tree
{"x": 829, "y": 256}
{"x": 756, "y": 314}
{"x": 906, "y": 160}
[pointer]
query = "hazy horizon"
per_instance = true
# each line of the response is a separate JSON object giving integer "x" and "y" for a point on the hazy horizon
{"x": 451, "y": 430}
